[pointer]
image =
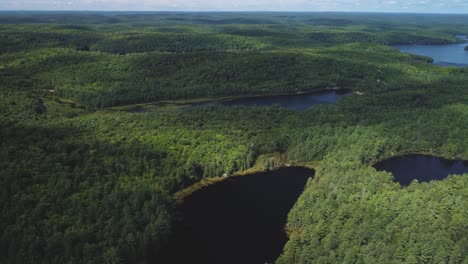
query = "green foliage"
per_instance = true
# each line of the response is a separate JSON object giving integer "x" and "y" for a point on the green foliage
{"x": 179, "y": 57}
{"x": 100, "y": 80}
{"x": 20, "y": 38}
{"x": 174, "y": 43}
{"x": 86, "y": 186}
{"x": 360, "y": 216}
{"x": 75, "y": 199}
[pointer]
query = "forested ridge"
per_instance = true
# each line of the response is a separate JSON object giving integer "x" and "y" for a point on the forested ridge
{"x": 102, "y": 65}
{"x": 82, "y": 183}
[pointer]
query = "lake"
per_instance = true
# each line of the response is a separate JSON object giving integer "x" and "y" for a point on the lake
{"x": 294, "y": 102}
{"x": 423, "y": 168}
{"x": 444, "y": 55}
{"x": 238, "y": 220}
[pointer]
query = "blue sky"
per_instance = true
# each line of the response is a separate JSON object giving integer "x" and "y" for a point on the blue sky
{"x": 419, "y": 6}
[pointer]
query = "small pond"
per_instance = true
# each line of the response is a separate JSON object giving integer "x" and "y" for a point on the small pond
{"x": 295, "y": 102}
{"x": 444, "y": 55}
{"x": 423, "y": 168}
{"x": 238, "y": 220}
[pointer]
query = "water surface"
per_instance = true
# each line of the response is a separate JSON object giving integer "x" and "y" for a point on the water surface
{"x": 444, "y": 55}
{"x": 423, "y": 168}
{"x": 239, "y": 220}
{"x": 294, "y": 102}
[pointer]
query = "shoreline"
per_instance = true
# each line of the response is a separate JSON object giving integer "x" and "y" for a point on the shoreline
{"x": 415, "y": 152}
{"x": 198, "y": 101}
{"x": 180, "y": 195}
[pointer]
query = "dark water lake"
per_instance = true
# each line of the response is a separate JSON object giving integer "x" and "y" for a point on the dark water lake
{"x": 294, "y": 102}
{"x": 444, "y": 55}
{"x": 423, "y": 168}
{"x": 239, "y": 220}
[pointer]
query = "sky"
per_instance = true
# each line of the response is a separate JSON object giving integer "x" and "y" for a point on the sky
{"x": 413, "y": 6}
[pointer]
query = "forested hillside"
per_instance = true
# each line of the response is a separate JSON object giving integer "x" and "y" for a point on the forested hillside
{"x": 85, "y": 183}
{"x": 102, "y": 64}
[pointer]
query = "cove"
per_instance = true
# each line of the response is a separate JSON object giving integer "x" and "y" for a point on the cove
{"x": 423, "y": 168}
{"x": 294, "y": 102}
{"x": 238, "y": 220}
{"x": 443, "y": 55}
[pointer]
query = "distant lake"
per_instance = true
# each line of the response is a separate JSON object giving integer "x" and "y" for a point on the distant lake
{"x": 423, "y": 168}
{"x": 294, "y": 102}
{"x": 444, "y": 55}
{"x": 238, "y": 220}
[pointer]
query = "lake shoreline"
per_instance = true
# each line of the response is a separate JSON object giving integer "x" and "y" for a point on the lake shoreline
{"x": 234, "y": 217}
{"x": 199, "y": 101}
{"x": 182, "y": 194}
{"x": 416, "y": 152}
{"x": 444, "y": 55}
{"x": 421, "y": 168}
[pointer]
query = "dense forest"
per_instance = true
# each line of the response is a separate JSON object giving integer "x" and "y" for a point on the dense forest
{"x": 84, "y": 181}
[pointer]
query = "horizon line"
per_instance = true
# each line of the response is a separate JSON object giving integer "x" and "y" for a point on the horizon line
{"x": 226, "y": 11}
